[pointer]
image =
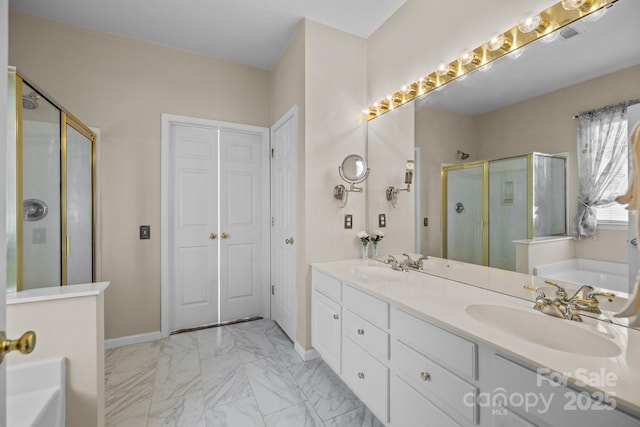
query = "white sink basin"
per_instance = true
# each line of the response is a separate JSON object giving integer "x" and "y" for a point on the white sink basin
{"x": 544, "y": 330}
{"x": 36, "y": 394}
{"x": 370, "y": 273}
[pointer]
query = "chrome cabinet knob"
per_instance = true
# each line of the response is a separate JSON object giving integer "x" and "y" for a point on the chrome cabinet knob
{"x": 360, "y": 331}
{"x": 425, "y": 376}
{"x": 224, "y": 235}
{"x": 336, "y": 317}
{"x": 212, "y": 236}
{"x": 289, "y": 241}
{"x": 361, "y": 375}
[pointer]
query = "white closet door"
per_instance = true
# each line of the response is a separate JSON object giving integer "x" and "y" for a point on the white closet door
{"x": 195, "y": 220}
{"x": 242, "y": 280}
{"x": 284, "y": 239}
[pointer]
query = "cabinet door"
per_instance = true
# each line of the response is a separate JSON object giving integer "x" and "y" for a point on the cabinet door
{"x": 410, "y": 408}
{"x": 326, "y": 328}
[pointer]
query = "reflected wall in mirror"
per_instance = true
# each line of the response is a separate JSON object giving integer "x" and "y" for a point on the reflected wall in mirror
{"x": 525, "y": 102}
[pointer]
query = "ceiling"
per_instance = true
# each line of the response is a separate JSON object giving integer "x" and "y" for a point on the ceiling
{"x": 601, "y": 47}
{"x": 251, "y": 32}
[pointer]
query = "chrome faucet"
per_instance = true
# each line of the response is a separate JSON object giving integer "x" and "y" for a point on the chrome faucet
{"x": 398, "y": 266}
{"x": 568, "y": 308}
{"x": 415, "y": 263}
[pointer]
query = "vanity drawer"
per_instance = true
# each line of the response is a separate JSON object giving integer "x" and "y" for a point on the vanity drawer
{"x": 435, "y": 382}
{"x": 410, "y": 408}
{"x": 371, "y": 308}
{"x": 555, "y": 404}
{"x": 368, "y": 336}
{"x": 367, "y": 377}
{"x": 444, "y": 347}
{"x": 327, "y": 285}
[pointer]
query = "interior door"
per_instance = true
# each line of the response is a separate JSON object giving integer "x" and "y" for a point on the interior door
{"x": 242, "y": 224}
{"x": 195, "y": 220}
{"x": 4, "y": 48}
{"x": 284, "y": 239}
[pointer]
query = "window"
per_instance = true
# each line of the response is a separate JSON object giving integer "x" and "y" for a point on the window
{"x": 615, "y": 214}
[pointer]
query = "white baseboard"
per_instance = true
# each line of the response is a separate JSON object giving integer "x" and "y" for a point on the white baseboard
{"x": 306, "y": 354}
{"x": 132, "y": 339}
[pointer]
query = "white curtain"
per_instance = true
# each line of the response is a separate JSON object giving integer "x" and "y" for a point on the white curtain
{"x": 602, "y": 153}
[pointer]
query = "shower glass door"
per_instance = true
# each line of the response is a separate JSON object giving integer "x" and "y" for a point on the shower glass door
{"x": 465, "y": 213}
{"x": 78, "y": 203}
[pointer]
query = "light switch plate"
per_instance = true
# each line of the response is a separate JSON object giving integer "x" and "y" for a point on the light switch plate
{"x": 348, "y": 222}
{"x": 145, "y": 232}
{"x": 382, "y": 220}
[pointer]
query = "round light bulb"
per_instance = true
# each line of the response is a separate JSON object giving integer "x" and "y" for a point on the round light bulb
{"x": 377, "y": 104}
{"x": 365, "y": 111}
{"x": 466, "y": 57}
{"x": 573, "y": 4}
{"x": 443, "y": 69}
{"x": 496, "y": 41}
{"x": 389, "y": 97}
{"x": 529, "y": 22}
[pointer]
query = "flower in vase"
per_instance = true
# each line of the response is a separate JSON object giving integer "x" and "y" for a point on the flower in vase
{"x": 364, "y": 237}
{"x": 376, "y": 236}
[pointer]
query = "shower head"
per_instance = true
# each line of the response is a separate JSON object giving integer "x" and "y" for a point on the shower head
{"x": 462, "y": 155}
{"x": 30, "y": 102}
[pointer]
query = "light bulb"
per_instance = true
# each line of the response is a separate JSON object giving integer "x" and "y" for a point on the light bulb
{"x": 443, "y": 69}
{"x": 365, "y": 111}
{"x": 496, "y": 41}
{"x": 466, "y": 57}
{"x": 529, "y": 22}
{"x": 573, "y": 4}
{"x": 550, "y": 37}
{"x": 595, "y": 15}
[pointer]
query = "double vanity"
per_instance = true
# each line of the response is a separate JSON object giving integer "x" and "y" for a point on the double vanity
{"x": 424, "y": 350}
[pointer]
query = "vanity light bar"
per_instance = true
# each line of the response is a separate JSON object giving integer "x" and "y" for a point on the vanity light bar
{"x": 551, "y": 19}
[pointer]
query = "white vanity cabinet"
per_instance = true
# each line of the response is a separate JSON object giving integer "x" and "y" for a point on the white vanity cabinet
{"x": 411, "y": 370}
{"x": 326, "y": 319}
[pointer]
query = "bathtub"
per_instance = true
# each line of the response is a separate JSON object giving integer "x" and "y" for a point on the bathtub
{"x": 36, "y": 393}
{"x": 599, "y": 274}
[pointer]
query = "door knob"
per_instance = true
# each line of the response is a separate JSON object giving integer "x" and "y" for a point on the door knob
{"x": 289, "y": 241}
{"x": 25, "y": 344}
{"x": 224, "y": 235}
{"x": 212, "y": 236}
{"x": 634, "y": 242}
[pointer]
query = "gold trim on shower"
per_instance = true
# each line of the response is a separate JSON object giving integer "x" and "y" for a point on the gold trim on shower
{"x": 63, "y": 196}
{"x": 530, "y": 190}
{"x": 19, "y": 188}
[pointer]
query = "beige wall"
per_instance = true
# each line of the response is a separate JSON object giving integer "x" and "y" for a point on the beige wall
{"x": 71, "y": 328}
{"x": 390, "y": 144}
{"x": 439, "y": 134}
{"x": 422, "y": 33}
{"x": 122, "y": 86}
{"x": 335, "y": 76}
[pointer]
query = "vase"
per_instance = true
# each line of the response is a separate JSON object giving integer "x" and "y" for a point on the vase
{"x": 365, "y": 250}
{"x": 374, "y": 252}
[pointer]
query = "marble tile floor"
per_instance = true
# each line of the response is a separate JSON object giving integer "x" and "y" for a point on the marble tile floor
{"x": 240, "y": 375}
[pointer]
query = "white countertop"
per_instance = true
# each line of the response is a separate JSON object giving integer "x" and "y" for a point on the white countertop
{"x": 443, "y": 301}
{"x": 56, "y": 292}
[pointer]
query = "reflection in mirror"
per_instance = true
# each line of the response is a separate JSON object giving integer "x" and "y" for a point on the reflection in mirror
{"x": 525, "y": 103}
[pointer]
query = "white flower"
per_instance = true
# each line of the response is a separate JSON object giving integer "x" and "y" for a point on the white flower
{"x": 362, "y": 235}
{"x": 378, "y": 233}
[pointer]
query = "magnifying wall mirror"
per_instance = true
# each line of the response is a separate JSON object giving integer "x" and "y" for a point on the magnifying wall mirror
{"x": 353, "y": 171}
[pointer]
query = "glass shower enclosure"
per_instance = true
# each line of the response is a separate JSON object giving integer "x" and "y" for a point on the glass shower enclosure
{"x": 50, "y": 192}
{"x": 487, "y": 205}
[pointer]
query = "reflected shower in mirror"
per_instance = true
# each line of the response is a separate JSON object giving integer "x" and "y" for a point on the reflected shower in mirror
{"x": 526, "y": 102}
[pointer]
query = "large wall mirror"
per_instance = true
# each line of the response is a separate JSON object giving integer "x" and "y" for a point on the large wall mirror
{"x": 523, "y": 103}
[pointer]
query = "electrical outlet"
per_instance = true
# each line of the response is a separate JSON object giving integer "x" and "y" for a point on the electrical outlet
{"x": 348, "y": 222}
{"x": 382, "y": 220}
{"x": 425, "y": 222}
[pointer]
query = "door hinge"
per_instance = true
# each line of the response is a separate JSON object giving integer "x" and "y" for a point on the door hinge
{"x": 273, "y": 290}
{"x": 273, "y": 221}
{"x": 273, "y": 151}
